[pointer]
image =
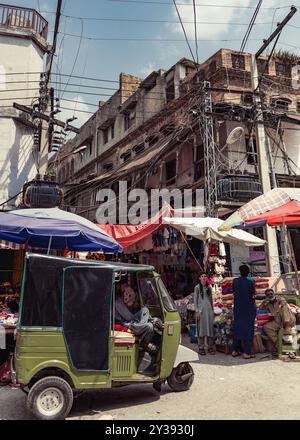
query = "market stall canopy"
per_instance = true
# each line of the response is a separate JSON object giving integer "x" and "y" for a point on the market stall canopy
{"x": 288, "y": 214}
{"x": 52, "y": 227}
{"x": 208, "y": 228}
{"x": 276, "y": 198}
{"x": 128, "y": 235}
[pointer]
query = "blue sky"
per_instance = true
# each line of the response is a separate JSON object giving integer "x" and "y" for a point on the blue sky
{"x": 106, "y": 59}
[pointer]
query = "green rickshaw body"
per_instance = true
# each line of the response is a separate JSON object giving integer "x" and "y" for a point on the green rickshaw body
{"x": 62, "y": 350}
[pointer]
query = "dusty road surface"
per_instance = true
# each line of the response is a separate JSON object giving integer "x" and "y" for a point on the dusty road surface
{"x": 224, "y": 388}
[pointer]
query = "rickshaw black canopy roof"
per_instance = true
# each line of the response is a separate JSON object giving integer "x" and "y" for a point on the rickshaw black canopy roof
{"x": 43, "y": 283}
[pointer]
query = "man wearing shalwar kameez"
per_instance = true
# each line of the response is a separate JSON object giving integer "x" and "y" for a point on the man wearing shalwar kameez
{"x": 244, "y": 314}
{"x": 204, "y": 314}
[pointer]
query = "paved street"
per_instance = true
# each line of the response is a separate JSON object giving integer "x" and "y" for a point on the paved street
{"x": 224, "y": 388}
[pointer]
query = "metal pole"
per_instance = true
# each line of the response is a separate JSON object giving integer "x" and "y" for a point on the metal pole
{"x": 207, "y": 132}
{"x": 49, "y": 245}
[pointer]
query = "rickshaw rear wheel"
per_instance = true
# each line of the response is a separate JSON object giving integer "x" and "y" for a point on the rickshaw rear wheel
{"x": 181, "y": 378}
{"x": 51, "y": 398}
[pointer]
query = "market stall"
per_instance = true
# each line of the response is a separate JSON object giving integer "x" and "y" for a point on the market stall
{"x": 279, "y": 207}
{"x": 161, "y": 246}
{"x": 206, "y": 230}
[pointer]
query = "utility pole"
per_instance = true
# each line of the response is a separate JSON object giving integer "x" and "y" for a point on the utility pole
{"x": 263, "y": 149}
{"x": 207, "y": 130}
{"x": 47, "y": 128}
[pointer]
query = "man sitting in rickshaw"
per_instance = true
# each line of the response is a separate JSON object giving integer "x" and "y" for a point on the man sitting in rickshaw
{"x": 130, "y": 315}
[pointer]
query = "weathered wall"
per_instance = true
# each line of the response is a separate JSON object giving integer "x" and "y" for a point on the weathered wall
{"x": 17, "y": 161}
{"x": 17, "y": 158}
{"x": 19, "y": 55}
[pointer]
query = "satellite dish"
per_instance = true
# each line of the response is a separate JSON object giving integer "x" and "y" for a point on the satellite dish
{"x": 235, "y": 135}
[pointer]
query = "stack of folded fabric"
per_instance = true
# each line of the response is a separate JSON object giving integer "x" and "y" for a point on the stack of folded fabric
{"x": 261, "y": 284}
{"x": 262, "y": 317}
{"x": 227, "y": 293}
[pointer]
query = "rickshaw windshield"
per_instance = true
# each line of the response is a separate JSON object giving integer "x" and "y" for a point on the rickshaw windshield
{"x": 166, "y": 297}
{"x": 148, "y": 290}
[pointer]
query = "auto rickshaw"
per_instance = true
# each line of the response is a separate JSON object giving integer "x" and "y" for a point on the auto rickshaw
{"x": 66, "y": 338}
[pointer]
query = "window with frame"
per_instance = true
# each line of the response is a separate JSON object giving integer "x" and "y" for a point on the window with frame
{"x": 151, "y": 140}
{"x": 126, "y": 156}
{"x": 283, "y": 69}
{"x": 238, "y": 61}
{"x": 298, "y": 107}
{"x": 171, "y": 171}
{"x": 129, "y": 119}
{"x": 108, "y": 133}
{"x": 139, "y": 149}
{"x": 88, "y": 150}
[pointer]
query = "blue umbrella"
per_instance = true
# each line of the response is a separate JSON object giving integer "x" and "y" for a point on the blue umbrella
{"x": 55, "y": 229}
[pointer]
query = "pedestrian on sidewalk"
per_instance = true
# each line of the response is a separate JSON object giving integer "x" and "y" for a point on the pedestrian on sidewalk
{"x": 244, "y": 314}
{"x": 204, "y": 314}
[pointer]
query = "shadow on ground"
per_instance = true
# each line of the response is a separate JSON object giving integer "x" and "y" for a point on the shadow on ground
{"x": 97, "y": 401}
{"x": 222, "y": 359}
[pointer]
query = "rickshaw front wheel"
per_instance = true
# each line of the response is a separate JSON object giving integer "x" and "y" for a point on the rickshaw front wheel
{"x": 51, "y": 398}
{"x": 181, "y": 378}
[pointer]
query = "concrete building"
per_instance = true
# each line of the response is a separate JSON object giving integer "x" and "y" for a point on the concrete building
{"x": 23, "y": 44}
{"x": 153, "y": 138}
{"x": 124, "y": 129}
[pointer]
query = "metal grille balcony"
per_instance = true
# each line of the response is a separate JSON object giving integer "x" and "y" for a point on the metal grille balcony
{"x": 23, "y": 18}
{"x": 238, "y": 188}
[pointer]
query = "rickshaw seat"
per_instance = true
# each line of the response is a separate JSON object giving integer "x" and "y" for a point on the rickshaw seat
{"x": 124, "y": 338}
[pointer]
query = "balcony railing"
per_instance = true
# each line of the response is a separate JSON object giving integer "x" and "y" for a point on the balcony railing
{"x": 238, "y": 188}
{"x": 23, "y": 18}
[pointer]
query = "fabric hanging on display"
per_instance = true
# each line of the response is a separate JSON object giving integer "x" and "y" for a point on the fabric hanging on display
{"x": 222, "y": 251}
{"x": 213, "y": 249}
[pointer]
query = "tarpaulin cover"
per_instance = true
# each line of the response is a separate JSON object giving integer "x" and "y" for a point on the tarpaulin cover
{"x": 42, "y": 296}
{"x": 207, "y": 228}
{"x": 128, "y": 235}
{"x": 86, "y": 316}
{"x": 59, "y": 229}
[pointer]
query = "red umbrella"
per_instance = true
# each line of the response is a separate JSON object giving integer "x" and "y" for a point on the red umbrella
{"x": 289, "y": 213}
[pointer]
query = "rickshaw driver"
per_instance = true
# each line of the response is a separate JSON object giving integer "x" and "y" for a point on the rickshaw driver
{"x": 137, "y": 321}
